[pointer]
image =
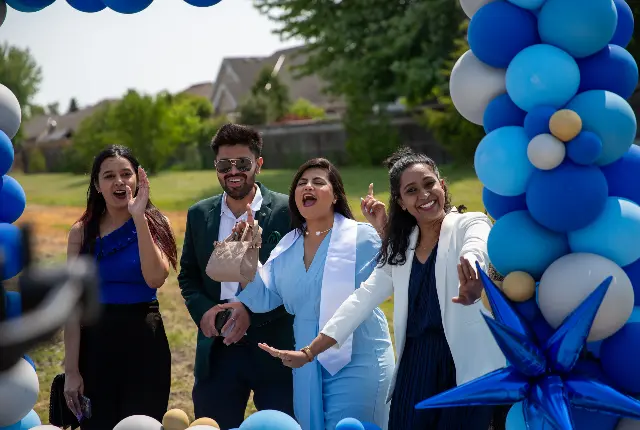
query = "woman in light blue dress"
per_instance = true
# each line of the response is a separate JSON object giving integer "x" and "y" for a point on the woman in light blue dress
{"x": 311, "y": 271}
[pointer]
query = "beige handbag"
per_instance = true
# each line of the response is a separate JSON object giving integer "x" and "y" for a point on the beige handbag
{"x": 234, "y": 260}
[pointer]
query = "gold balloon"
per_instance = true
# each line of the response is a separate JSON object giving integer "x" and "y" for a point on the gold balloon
{"x": 519, "y": 286}
{"x": 565, "y": 124}
{"x": 175, "y": 419}
{"x": 205, "y": 422}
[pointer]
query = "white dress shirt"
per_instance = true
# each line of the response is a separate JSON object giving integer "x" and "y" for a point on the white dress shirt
{"x": 228, "y": 220}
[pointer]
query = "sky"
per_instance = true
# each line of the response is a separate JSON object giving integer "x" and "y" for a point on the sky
{"x": 171, "y": 45}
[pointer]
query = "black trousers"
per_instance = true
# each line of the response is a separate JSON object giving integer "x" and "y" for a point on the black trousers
{"x": 235, "y": 371}
{"x": 125, "y": 363}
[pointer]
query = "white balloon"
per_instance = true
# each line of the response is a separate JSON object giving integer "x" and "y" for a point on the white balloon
{"x": 19, "y": 389}
{"x": 546, "y": 152}
{"x": 628, "y": 424}
{"x": 138, "y": 422}
{"x": 570, "y": 279}
{"x": 10, "y": 114}
{"x": 473, "y": 85}
{"x": 470, "y": 7}
{"x": 45, "y": 427}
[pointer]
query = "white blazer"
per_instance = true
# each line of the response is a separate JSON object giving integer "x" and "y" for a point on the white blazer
{"x": 472, "y": 345}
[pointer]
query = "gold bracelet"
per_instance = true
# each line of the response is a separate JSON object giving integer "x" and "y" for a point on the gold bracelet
{"x": 308, "y": 353}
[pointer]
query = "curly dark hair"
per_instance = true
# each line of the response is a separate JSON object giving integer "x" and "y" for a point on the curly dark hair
{"x": 342, "y": 204}
{"x": 236, "y": 134}
{"x": 401, "y": 223}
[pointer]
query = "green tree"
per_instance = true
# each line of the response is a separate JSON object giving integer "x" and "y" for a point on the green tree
{"x": 157, "y": 129}
{"x": 303, "y": 108}
{"x": 73, "y": 106}
{"x": 254, "y": 110}
{"x": 273, "y": 92}
{"x": 20, "y": 72}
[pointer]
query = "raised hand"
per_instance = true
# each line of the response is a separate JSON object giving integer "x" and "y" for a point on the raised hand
{"x": 293, "y": 359}
{"x": 374, "y": 211}
{"x": 470, "y": 285}
{"x": 239, "y": 227}
{"x": 138, "y": 204}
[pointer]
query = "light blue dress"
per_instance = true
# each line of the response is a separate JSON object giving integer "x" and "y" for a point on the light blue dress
{"x": 359, "y": 390}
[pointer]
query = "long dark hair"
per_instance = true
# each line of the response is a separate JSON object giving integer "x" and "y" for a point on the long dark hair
{"x": 400, "y": 223}
{"x": 96, "y": 208}
{"x": 341, "y": 206}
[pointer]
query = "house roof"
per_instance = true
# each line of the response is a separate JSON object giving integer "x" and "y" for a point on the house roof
{"x": 38, "y": 128}
{"x": 237, "y": 75}
{"x": 203, "y": 89}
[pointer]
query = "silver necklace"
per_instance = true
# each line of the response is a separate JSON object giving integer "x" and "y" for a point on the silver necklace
{"x": 318, "y": 233}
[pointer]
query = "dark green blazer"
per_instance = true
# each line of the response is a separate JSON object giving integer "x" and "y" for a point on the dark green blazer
{"x": 201, "y": 293}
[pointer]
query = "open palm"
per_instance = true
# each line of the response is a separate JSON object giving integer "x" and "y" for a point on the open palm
{"x": 138, "y": 204}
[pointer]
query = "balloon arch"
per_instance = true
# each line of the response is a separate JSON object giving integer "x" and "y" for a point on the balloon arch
{"x": 549, "y": 80}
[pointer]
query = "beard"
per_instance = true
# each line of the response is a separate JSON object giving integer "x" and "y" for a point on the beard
{"x": 241, "y": 191}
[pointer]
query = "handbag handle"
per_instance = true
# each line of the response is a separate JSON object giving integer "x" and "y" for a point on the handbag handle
{"x": 246, "y": 231}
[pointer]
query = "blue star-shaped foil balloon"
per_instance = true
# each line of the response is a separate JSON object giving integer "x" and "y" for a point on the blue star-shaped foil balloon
{"x": 539, "y": 374}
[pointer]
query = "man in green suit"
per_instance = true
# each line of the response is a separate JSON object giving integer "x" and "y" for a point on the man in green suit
{"x": 227, "y": 372}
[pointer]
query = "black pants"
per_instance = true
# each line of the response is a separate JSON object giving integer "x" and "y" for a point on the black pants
{"x": 235, "y": 371}
{"x": 125, "y": 362}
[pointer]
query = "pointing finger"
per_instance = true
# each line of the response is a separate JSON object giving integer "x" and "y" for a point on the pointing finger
{"x": 371, "y": 189}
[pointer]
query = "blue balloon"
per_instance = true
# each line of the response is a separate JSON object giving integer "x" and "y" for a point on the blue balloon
{"x": 537, "y": 121}
{"x": 15, "y": 426}
{"x": 618, "y": 355}
{"x": 30, "y": 421}
{"x": 370, "y": 426}
{"x": 497, "y": 206}
{"x": 532, "y": 5}
{"x": 87, "y": 6}
{"x": 585, "y": 148}
{"x": 635, "y": 315}
{"x": 1, "y": 182}
{"x": 269, "y": 420}
{"x": 542, "y": 75}
{"x": 30, "y": 361}
{"x": 567, "y": 198}
{"x": 611, "y": 69}
{"x": 6, "y": 153}
{"x": 624, "y": 28}
{"x": 633, "y": 272}
{"x": 127, "y": 6}
{"x": 202, "y": 3}
{"x": 10, "y": 247}
{"x": 13, "y": 304}
{"x": 502, "y": 112}
{"x": 614, "y": 234}
{"x": 12, "y": 200}
{"x": 349, "y": 424}
{"x": 29, "y": 6}
{"x": 622, "y": 176}
{"x": 582, "y": 419}
{"x": 610, "y": 117}
{"x": 499, "y": 30}
{"x": 501, "y": 161}
{"x": 581, "y": 31}
{"x": 518, "y": 243}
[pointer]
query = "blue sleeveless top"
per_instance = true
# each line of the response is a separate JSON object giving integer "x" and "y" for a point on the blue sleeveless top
{"x": 118, "y": 257}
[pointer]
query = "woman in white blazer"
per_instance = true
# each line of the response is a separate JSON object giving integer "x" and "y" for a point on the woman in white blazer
{"x": 427, "y": 263}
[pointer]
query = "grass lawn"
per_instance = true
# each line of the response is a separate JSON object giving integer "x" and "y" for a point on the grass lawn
{"x": 55, "y": 201}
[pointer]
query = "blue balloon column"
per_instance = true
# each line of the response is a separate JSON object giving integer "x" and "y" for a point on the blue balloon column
{"x": 19, "y": 415}
{"x": 93, "y": 6}
{"x": 549, "y": 81}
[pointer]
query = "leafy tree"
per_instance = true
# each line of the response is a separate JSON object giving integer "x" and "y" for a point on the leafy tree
{"x": 73, "y": 106}
{"x": 21, "y": 74}
{"x": 254, "y": 110}
{"x": 274, "y": 94}
{"x": 303, "y": 108}
{"x": 53, "y": 109}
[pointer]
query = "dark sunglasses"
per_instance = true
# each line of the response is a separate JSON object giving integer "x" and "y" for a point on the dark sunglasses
{"x": 242, "y": 164}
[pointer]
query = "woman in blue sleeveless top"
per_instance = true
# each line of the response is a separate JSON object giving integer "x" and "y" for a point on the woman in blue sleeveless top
{"x": 122, "y": 364}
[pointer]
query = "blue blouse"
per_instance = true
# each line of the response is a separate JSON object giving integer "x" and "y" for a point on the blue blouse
{"x": 118, "y": 257}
